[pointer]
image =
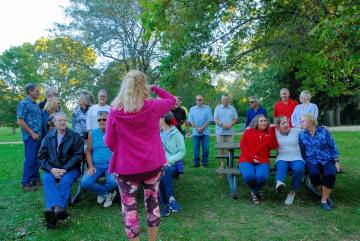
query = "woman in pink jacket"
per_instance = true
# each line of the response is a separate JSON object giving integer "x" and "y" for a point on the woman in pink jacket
{"x": 133, "y": 135}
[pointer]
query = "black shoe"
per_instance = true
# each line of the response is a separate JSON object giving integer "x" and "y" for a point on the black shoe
{"x": 205, "y": 165}
{"x": 50, "y": 218}
{"x": 196, "y": 166}
{"x": 37, "y": 183}
{"x": 28, "y": 188}
{"x": 60, "y": 213}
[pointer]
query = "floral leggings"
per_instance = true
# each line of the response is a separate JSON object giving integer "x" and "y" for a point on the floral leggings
{"x": 128, "y": 193}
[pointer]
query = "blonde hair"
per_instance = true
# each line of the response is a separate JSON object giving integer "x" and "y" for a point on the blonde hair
{"x": 132, "y": 92}
{"x": 309, "y": 117}
{"x": 50, "y": 105}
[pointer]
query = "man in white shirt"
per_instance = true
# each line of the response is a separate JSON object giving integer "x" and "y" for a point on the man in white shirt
{"x": 91, "y": 118}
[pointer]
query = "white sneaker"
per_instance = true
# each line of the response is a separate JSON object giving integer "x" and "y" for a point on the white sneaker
{"x": 109, "y": 199}
{"x": 280, "y": 186}
{"x": 289, "y": 199}
{"x": 100, "y": 199}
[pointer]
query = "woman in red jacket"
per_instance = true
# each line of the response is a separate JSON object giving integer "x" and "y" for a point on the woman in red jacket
{"x": 256, "y": 144}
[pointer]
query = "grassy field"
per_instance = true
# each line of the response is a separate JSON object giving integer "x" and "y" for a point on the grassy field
{"x": 208, "y": 211}
{"x": 6, "y": 134}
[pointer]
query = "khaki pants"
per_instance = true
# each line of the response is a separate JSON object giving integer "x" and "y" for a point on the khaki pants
{"x": 223, "y": 139}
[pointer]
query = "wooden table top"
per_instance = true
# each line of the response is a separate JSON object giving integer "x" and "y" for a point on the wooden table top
{"x": 228, "y": 146}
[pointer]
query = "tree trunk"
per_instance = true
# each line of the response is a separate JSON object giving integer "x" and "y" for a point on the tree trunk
{"x": 329, "y": 118}
{"x": 338, "y": 114}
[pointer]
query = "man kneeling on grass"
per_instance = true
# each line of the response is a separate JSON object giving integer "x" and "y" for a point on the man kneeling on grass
{"x": 60, "y": 156}
{"x": 97, "y": 157}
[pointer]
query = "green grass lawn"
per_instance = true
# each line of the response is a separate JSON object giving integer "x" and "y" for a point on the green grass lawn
{"x": 6, "y": 135}
{"x": 208, "y": 211}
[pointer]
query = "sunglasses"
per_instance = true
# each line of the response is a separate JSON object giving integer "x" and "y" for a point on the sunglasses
{"x": 199, "y": 99}
{"x": 251, "y": 102}
{"x": 103, "y": 119}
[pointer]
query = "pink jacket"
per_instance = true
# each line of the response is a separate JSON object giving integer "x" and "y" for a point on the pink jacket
{"x": 134, "y": 138}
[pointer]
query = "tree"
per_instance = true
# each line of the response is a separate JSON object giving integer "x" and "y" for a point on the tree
{"x": 294, "y": 44}
{"x": 67, "y": 65}
{"x": 113, "y": 28}
{"x": 18, "y": 66}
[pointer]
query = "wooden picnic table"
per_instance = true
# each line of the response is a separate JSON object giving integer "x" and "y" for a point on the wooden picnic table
{"x": 230, "y": 171}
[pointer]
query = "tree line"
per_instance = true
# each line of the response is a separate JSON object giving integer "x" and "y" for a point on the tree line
{"x": 183, "y": 45}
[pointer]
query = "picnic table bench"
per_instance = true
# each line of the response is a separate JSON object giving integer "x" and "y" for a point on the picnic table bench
{"x": 231, "y": 171}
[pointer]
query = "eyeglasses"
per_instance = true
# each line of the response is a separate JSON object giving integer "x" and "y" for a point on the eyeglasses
{"x": 251, "y": 102}
{"x": 103, "y": 119}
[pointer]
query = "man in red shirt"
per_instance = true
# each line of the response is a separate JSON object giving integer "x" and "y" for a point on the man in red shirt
{"x": 285, "y": 106}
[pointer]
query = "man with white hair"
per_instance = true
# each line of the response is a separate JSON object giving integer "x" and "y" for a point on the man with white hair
{"x": 91, "y": 116}
{"x": 254, "y": 110}
{"x": 49, "y": 92}
{"x": 60, "y": 156}
{"x": 285, "y": 106}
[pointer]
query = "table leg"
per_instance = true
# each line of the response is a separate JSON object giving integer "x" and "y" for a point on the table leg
{"x": 232, "y": 178}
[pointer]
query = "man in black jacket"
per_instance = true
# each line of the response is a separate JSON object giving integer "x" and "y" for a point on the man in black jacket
{"x": 60, "y": 156}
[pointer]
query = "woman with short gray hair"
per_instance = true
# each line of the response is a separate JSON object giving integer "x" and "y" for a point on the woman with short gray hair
{"x": 80, "y": 113}
{"x": 305, "y": 107}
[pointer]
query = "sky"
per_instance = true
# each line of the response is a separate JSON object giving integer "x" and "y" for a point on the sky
{"x": 27, "y": 20}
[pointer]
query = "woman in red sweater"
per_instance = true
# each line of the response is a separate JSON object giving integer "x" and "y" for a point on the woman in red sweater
{"x": 256, "y": 144}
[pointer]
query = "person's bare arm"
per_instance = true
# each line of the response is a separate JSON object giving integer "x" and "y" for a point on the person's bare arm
{"x": 25, "y": 126}
{"x": 91, "y": 170}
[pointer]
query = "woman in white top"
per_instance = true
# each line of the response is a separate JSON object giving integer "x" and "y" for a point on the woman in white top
{"x": 305, "y": 107}
{"x": 288, "y": 156}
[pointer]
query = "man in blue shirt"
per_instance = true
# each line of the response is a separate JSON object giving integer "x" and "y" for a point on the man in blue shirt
{"x": 29, "y": 119}
{"x": 200, "y": 117}
{"x": 254, "y": 110}
{"x": 225, "y": 117}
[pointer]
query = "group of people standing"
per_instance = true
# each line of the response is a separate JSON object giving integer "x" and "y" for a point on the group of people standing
{"x": 140, "y": 141}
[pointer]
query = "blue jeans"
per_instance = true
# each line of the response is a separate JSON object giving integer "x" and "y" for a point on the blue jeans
{"x": 58, "y": 194}
{"x": 89, "y": 182}
{"x": 166, "y": 186}
{"x": 320, "y": 174}
{"x": 255, "y": 175}
{"x": 204, "y": 139}
{"x": 297, "y": 168}
{"x": 31, "y": 165}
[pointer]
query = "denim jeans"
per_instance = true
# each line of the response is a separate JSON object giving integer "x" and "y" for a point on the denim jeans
{"x": 89, "y": 182}
{"x": 297, "y": 168}
{"x": 204, "y": 139}
{"x": 166, "y": 186}
{"x": 322, "y": 174}
{"x": 58, "y": 194}
{"x": 255, "y": 175}
{"x": 31, "y": 165}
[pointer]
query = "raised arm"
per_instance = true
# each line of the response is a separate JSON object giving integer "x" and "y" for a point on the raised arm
{"x": 166, "y": 101}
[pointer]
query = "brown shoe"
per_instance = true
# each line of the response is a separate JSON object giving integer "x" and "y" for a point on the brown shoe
{"x": 28, "y": 188}
{"x": 60, "y": 213}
